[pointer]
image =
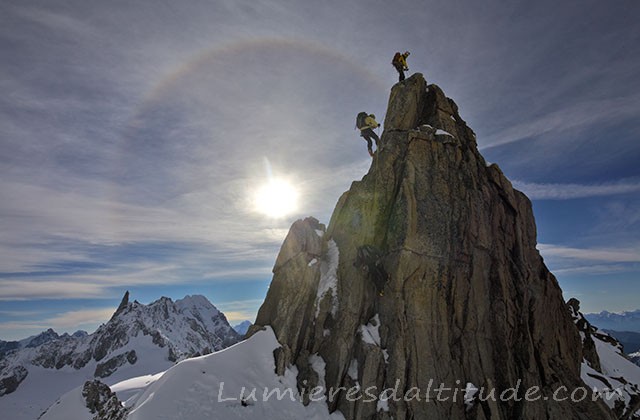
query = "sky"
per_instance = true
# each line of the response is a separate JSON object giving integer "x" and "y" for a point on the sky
{"x": 134, "y": 136}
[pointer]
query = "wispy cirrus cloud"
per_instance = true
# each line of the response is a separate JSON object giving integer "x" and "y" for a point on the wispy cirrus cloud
{"x": 44, "y": 225}
{"x": 56, "y": 21}
{"x": 71, "y": 321}
{"x": 210, "y": 225}
{"x": 50, "y": 289}
{"x": 616, "y": 255}
{"x": 596, "y": 270}
{"x": 570, "y": 261}
{"x": 240, "y": 310}
{"x": 574, "y": 116}
{"x": 552, "y": 191}
{"x": 102, "y": 282}
{"x": 21, "y": 313}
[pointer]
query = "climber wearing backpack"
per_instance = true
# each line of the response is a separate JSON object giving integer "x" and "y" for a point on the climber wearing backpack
{"x": 400, "y": 63}
{"x": 366, "y": 123}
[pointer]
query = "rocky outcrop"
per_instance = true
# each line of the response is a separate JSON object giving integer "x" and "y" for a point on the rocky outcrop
{"x": 290, "y": 308}
{"x": 11, "y": 378}
{"x": 102, "y": 402}
{"x": 427, "y": 275}
{"x": 588, "y": 333}
{"x": 107, "y": 368}
{"x": 606, "y": 367}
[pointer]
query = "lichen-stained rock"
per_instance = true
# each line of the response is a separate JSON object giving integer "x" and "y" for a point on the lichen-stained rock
{"x": 467, "y": 298}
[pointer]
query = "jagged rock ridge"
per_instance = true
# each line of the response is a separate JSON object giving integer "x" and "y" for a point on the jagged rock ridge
{"x": 606, "y": 367}
{"x": 138, "y": 338}
{"x": 428, "y": 270}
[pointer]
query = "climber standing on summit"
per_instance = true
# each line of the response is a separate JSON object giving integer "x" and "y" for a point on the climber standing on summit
{"x": 366, "y": 123}
{"x": 400, "y": 63}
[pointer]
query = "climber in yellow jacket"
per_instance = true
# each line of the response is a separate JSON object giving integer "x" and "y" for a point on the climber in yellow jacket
{"x": 366, "y": 123}
{"x": 400, "y": 63}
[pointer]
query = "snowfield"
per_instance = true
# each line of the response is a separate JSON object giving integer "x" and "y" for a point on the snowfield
{"x": 43, "y": 386}
{"x": 236, "y": 383}
{"x": 157, "y": 334}
{"x": 619, "y": 379}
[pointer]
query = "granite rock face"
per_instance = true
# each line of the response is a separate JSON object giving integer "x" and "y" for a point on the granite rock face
{"x": 428, "y": 273}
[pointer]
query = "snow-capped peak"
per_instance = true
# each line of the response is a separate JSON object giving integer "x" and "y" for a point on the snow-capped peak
{"x": 138, "y": 339}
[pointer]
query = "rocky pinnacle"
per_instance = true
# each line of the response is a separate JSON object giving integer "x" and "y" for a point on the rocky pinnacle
{"x": 427, "y": 276}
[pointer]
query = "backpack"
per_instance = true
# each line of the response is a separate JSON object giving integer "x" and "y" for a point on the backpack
{"x": 397, "y": 59}
{"x": 360, "y": 120}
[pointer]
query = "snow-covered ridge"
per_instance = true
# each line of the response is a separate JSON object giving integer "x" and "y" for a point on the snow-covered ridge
{"x": 236, "y": 383}
{"x": 606, "y": 369}
{"x": 328, "y": 283}
{"x": 138, "y": 339}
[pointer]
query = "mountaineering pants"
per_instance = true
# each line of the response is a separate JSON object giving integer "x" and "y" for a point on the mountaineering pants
{"x": 400, "y": 71}
{"x": 369, "y": 134}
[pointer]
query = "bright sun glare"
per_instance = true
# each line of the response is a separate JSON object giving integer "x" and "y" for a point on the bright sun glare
{"x": 277, "y": 198}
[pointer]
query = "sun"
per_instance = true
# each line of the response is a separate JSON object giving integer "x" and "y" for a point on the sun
{"x": 277, "y": 198}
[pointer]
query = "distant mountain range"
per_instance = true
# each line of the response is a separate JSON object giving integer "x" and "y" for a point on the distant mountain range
{"x": 242, "y": 327}
{"x": 624, "y": 321}
{"x": 630, "y": 340}
{"x": 138, "y": 340}
{"x": 624, "y": 326}
{"x": 36, "y": 340}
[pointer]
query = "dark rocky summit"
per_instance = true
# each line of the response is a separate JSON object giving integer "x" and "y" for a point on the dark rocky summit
{"x": 427, "y": 272}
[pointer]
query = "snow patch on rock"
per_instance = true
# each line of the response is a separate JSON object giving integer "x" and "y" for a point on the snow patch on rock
{"x": 443, "y": 133}
{"x": 370, "y": 333}
{"x": 329, "y": 278}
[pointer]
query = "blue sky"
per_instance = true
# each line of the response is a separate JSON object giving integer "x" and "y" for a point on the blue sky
{"x": 133, "y": 135}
